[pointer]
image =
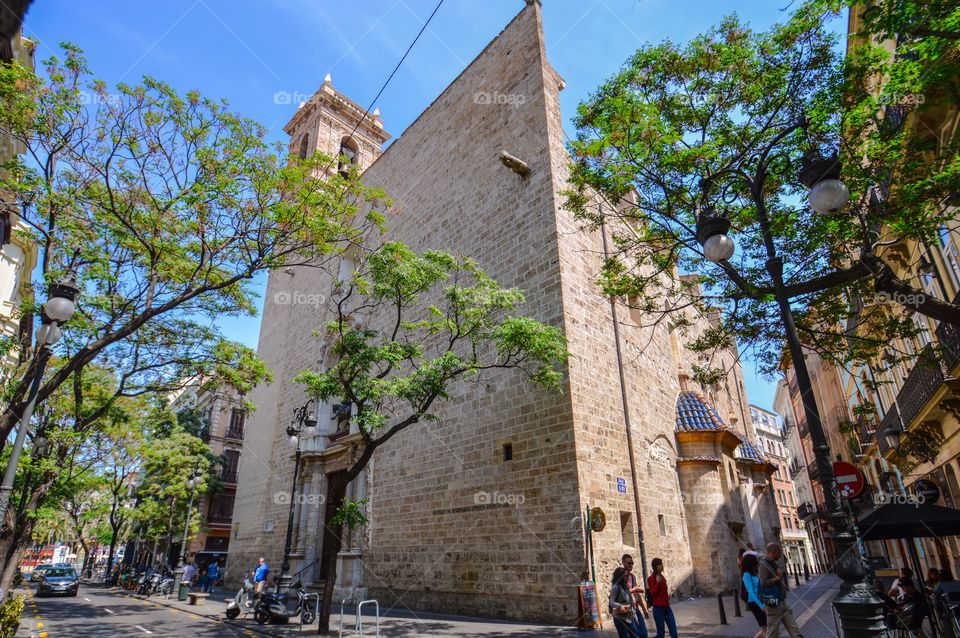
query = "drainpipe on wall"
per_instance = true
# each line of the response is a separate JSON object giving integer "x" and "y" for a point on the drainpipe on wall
{"x": 626, "y": 411}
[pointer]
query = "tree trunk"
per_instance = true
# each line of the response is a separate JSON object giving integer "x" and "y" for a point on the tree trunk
{"x": 332, "y": 542}
{"x": 12, "y": 546}
{"x": 113, "y": 546}
{"x": 86, "y": 557}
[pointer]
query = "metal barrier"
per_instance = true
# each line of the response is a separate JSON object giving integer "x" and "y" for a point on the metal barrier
{"x": 358, "y": 620}
{"x": 316, "y": 607}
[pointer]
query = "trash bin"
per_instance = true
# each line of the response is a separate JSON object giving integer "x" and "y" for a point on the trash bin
{"x": 184, "y": 590}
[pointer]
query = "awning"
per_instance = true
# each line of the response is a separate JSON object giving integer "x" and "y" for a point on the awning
{"x": 905, "y": 520}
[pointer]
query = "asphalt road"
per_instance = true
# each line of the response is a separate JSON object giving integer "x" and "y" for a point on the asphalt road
{"x": 99, "y": 613}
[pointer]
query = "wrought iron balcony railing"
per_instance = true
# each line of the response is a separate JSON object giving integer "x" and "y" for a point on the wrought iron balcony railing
{"x": 805, "y": 511}
{"x": 948, "y": 336}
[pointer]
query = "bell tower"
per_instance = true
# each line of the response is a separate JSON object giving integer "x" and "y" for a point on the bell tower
{"x": 326, "y": 123}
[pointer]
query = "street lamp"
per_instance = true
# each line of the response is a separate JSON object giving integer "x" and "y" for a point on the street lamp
{"x": 192, "y": 483}
{"x": 304, "y": 423}
{"x": 859, "y": 609}
{"x": 892, "y": 436}
{"x": 60, "y": 306}
{"x": 821, "y": 175}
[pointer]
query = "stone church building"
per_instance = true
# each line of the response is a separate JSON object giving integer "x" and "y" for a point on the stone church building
{"x": 482, "y": 513}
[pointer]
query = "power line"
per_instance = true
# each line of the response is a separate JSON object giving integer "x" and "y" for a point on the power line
{"x": 395, "y": 69}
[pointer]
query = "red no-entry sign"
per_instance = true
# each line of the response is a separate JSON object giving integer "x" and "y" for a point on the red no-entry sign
{"x": 850, "y": 480}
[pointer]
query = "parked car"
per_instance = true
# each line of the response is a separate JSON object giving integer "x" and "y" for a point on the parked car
{"x": 38, "y": 572}
{"x": 59, "y": 580}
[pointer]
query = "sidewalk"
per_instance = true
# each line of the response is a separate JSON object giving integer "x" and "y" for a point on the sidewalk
{"x": 696, "y": 617}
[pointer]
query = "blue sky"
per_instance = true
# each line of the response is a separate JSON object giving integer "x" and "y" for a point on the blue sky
{"x": 264, "y": 57}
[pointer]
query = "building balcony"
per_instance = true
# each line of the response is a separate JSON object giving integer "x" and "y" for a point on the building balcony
{"x": 867, "y": 426}
{"x": 216, "y": 519}
{"x": 806, "y": 511}
{"x": 229, "y": 476}
{"x": 929, "y": 392}
{"x": 813, "y": 471}
{"x": 795, "y": 469}
{"x": 234, "y": 434}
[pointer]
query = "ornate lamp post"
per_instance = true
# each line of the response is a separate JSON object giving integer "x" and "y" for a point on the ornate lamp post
{"x": 192, "y": 483}
{"x": 859, "y": 610}
{"x": 60, "y": 306}
{"x": 304, "y": 422}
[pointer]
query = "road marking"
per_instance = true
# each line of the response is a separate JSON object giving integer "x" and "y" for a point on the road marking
{"x": 43, "y": 634}
{"x": 39, "y": 624}
{"x": 107, "y": 610}
{"x": 146, "y": 631}
{"x": 86, "y": 599}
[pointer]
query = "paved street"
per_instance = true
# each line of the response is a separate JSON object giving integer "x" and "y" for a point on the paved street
{"x": 100, "y": 612}
{"x": 97, "y": 612}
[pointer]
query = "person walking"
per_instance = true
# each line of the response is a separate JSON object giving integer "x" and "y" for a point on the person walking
{"x": 639, "y": 602}
{"x": 750, "y": 582}
{"x": 189, "y": 571}
{"x": 660, "y": 598}
{"x": 213, "y": 573}
{"x": 622, "y": 607}
{"x": 773, "y": 594}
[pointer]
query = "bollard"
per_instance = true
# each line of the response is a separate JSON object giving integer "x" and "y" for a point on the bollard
{"x": 723, "y": 614}
{"x": 796, "y": 577}
{"x": 806, "y": 573}
{"x": 736, "y": 602}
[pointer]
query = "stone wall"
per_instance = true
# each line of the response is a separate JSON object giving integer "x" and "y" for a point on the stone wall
{"x": 455, "y": 526}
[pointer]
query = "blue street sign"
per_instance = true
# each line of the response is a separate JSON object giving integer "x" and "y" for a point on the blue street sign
{"x": 621, "y": 485}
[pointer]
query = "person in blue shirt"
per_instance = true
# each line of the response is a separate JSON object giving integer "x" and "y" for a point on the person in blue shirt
{"x": 260, "y": 576}
{"x": 749, "y": 566}
{"x": 213, "y": 573}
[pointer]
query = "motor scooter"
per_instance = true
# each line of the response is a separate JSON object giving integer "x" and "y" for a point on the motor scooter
{"x": 244, "y": 602}
{"x": 281, "y": 607}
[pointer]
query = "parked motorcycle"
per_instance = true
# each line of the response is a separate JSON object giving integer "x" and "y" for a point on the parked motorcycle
{"x": 155, "y": 583}
{"x": 244, "y": 602}
{"x": 275, "y": 606}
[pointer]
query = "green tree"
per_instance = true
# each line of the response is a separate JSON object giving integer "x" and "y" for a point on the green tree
{"x": 170, "y": 454}
{"x": 404, "y": 328}
{"x": 681, "y": 131}
{"x": 61, "y": 460}
{"x": 162, "y": 208}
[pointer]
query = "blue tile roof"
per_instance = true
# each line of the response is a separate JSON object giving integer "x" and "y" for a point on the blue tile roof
{"x": 749, "y": 450}
{"x": 694, "y": 414}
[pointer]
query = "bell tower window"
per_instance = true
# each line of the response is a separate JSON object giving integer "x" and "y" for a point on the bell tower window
{"x": 304, "y": 143}
{"x": 349, "y": 154}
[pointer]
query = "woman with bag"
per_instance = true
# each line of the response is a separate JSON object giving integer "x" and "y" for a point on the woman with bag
{"x": 621, "y": 607}
{"x": 751, "y": 588}
{"x": 660, "y": 596}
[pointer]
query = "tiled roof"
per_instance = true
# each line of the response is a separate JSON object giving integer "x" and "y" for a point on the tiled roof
{"x": 748, "y": 450}
{"x": 694, "y": 414}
